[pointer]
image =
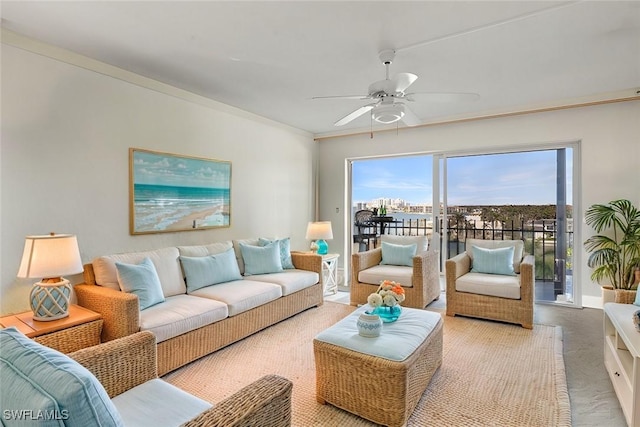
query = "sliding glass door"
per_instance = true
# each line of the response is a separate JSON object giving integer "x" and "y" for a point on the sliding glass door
{"x": 526, "y": 194}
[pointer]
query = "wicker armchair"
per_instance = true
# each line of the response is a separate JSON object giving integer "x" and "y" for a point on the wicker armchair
{"x": 480, "y": 303}
{"x": 421, "y": 281}
{"x": 127, "y": 362}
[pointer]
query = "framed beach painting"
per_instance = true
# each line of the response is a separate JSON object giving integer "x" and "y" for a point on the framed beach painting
{"x": 170, "y": 192}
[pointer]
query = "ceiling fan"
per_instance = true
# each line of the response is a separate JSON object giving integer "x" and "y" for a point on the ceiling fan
{"x": 390, "y": 96}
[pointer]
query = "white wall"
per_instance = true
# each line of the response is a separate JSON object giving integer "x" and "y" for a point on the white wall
{"x": 610, "y": 150}
{"x": 66, "y": 131}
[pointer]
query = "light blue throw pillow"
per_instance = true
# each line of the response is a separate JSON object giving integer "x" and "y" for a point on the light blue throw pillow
{"x": 141, "y": 280}
{"x": 493, "y": 261}
{"x": 393, "y": 254}
{"x": 285, "y": 251}
{"x": 55, "y": 388}
{"x": 637, "y": 301}
{"x": 210, "y": 270}
{"x": 261, "y": 259}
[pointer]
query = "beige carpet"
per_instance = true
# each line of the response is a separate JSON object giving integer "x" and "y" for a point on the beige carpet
{"x": 492, "y": 374}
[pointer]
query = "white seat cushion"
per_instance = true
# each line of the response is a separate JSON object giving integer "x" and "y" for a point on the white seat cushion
{"x": 378, "y": 273}
{"x": 291, "y": 281}
{"x": 240, "y": 295}
{"x": 489, "y": 284}
{"x": 158, "y": 403}
{"x": 180, "y": 314}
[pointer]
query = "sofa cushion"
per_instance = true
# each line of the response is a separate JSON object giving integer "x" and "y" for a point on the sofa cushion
{"x": 158, "y": 403}
{"x": 180, "y": 314}
{"x": 38, "y": 378}
{"x": 518, "y": 251}
{"x": 291, "y": 281}
{"x": 285, "y": 250}
{"x": 422, "y": 243}
{"x": 493, "y": 261}
{"x": 204, "y": 250}
{"x": 141, "y": 280}
{"x": 165, "y": 260}
{"x": 261, "y": 259}
{"x": 241, "y": 295}
{"x": 236, "y": 248}
{"x": 209, "y": 270}
{"x": 393, "y": 254}
{"x": 489, "y": 284}
{"x": 397, "y": 273}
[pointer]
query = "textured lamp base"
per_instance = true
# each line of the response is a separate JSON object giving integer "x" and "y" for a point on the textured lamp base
{"x": 50, "y": 301}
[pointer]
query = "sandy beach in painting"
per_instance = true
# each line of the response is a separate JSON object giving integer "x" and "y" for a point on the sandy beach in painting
{"x": 159, "y": 208}
{"x": 183, "y": 219}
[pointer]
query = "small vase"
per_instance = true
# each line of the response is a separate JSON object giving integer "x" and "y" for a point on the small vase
{"x": 388, "y": 314}
{"x": 369, "y": 325}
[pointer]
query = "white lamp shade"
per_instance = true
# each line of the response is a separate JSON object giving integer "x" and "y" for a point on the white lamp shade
{"x": 50, "y": 256}
{"x": 319, "y": 230}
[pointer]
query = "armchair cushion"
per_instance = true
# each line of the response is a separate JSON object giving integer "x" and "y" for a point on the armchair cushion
{"x": 422, "y": 243}
{"x": 489, "y": 284}
{"x": 393, "y": 254}
{"x": 38, "y": 378}
{"x": 518, "y": 249}
{"x": 376, "y": 274}
{"x": 158, "y": 403}
{"x": 142, "y": 280}
{"x": 493, "y": 261}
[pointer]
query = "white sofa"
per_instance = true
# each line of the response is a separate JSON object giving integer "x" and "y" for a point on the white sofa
{"x": 248, "y": 292}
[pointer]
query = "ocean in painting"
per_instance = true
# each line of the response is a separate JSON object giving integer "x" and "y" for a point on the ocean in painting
{"x": 165, "y": 208}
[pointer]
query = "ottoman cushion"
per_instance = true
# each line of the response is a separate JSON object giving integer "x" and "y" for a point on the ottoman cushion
{"x": 397, "y": 341}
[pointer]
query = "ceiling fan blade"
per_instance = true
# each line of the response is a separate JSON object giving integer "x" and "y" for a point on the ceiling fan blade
{"x": 443, "y": 96}
{"x": 402, "y": 81}
{"x": 342, "y": 97}
{"x": 410, "y": 118}
{"x": 355, "y": 114}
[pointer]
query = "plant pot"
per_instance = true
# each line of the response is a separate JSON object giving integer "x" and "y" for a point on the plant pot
{"x": 625, "y": 296}
{"x": 608, "y": 295}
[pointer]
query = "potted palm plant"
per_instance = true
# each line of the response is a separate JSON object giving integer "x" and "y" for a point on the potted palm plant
{"x": 614, "y": 253}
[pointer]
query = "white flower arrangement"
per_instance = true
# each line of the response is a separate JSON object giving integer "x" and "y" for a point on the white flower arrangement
{"x": 389, "y": 294}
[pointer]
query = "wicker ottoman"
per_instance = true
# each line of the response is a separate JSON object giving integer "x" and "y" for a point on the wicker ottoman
{"x": 380, "y": 379}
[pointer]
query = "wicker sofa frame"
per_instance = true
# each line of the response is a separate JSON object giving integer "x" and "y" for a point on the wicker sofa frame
{"x": 120, "y": 313}
{"x": 127, "y": 362}
{"x": 519, "y": 311}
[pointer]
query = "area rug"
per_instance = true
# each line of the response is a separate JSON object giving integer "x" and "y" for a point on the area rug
{"x": 493, "y": 374}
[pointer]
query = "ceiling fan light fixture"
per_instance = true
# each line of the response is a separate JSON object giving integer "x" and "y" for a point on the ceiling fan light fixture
{"x": 387, "y": 114}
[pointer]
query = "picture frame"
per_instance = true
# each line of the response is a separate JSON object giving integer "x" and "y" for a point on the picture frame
{"x": 172, "y": 192}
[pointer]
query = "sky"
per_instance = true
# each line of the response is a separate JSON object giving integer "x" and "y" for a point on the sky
{"x": 171, "y": 170}
{"x": 495, "y": 179}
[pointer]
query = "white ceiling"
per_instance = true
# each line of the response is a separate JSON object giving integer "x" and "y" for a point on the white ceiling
{"x": 270, "y": 58}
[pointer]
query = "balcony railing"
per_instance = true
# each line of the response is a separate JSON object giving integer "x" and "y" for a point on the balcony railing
{"x": 539, "y": 236}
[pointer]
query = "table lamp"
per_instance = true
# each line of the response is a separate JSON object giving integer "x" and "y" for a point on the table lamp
{"x": 50, "y": 257}
{"x": 319, "y": 231}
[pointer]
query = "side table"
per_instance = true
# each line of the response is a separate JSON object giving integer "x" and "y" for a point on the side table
{"x": 82, "y": 328}
{"x": 330, "y": 273}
